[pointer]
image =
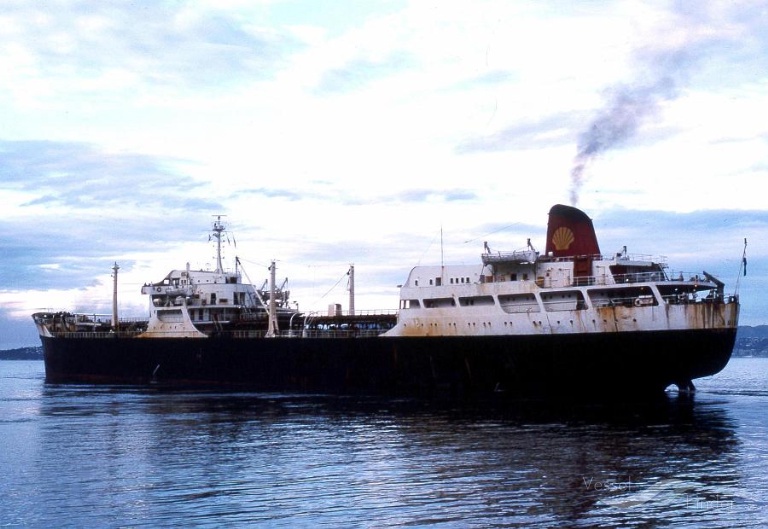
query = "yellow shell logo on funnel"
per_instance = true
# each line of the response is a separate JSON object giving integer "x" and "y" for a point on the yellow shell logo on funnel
{"x": 562, "y": 238}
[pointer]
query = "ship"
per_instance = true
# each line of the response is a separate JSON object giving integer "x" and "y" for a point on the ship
{"x": 567, "y": 321}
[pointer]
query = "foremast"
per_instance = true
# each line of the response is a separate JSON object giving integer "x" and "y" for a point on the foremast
{"x": 273, "y": 329}
{"x": 115, "y": 321}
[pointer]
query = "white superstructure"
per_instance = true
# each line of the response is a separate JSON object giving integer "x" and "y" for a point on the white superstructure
{"x": 544, "y": 295}
{"x": 194, "y": 303}
{"x": 571, "y": 289}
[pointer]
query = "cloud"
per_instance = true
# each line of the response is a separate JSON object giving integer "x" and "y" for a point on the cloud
{"x": 78, "y": 175}
{"x": 544, "y": 132}
{"x": 422, "y": 195}
{"x": 64, "y": 196}
{"x": 702, "y": 239}
{"x": 661, "y": 69}
{"x": 360, "y": 72}
{"x": 322, "y": 193}
{"x": 185, "y": 46}
{"x": 272, "y": 193}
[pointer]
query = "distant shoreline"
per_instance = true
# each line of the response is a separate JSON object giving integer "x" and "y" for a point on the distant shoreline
{"x": 22, "y": 353}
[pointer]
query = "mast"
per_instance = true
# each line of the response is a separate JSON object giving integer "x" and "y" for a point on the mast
{"x": 218, "y": 229}
{"x": 115, "y": 323}
{"x": 272, "y": 329}
{"x": 351, "y": 289}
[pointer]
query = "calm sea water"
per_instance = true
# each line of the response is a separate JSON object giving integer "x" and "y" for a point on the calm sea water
{"x": 83, "y": 456}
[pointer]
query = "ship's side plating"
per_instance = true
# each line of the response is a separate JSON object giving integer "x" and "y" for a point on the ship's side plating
{"x": 580, "y": 364}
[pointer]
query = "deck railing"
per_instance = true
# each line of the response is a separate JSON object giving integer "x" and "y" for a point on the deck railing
{"x": 95, "y": 335}
{"x": 237, "y": 334}
{"x": 655, "y": 276}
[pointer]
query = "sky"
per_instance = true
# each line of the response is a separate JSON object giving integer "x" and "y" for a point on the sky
{"x": 384, "y": 134}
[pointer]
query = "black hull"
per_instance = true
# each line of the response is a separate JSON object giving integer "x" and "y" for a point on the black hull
{"x": 579, "y": 364}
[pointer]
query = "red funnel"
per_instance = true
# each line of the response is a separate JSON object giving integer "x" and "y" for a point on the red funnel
{"x": 570, "y": 233}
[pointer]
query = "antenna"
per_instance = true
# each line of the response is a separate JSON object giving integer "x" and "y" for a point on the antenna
{"x": 442, "y": 255}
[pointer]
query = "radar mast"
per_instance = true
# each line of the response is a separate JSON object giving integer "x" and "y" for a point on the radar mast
{"x": 216, "y": 233}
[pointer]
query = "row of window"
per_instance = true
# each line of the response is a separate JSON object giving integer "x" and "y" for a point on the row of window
{"x": 438, "y": 281}
{"x": 551, "y": 301}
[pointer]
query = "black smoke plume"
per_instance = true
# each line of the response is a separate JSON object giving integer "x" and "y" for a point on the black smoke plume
{"x": 628, "y": 106}
{"x": 627, "y": 109}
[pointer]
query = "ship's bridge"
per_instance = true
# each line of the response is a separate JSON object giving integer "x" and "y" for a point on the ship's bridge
{"x": 436, "y": 275}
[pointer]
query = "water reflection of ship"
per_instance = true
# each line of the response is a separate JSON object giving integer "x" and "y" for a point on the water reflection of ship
{"x": 526, "y": 463}
{"x": 522, "y": 464}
